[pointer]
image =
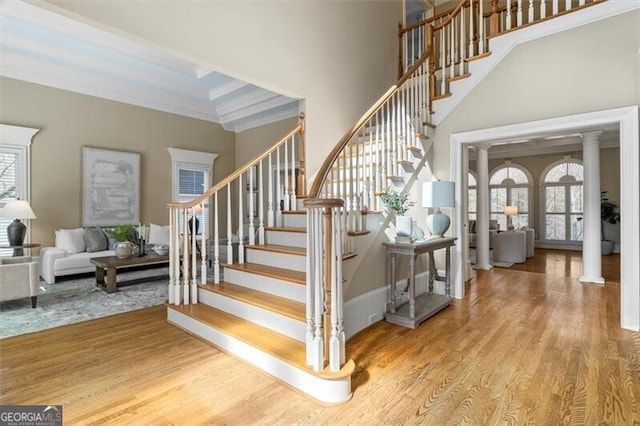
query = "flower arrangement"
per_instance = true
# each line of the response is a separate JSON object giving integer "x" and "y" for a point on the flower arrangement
{"x": 396, "y": 201}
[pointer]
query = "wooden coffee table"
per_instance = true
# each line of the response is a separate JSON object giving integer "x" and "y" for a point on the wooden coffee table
{"x": 112, "y": 263}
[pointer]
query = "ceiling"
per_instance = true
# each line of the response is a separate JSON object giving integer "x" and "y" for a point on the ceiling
{"x": 45, "y": 48}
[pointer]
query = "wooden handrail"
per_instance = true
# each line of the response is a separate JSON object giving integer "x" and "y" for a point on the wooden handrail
{"x": 453, "y": 14}
{"x": 426, "y": 21}
{"x": 215, "y": 188}
{"x": 323, "y": 172}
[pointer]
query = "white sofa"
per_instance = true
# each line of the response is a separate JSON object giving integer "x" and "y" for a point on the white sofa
{"x": 55, "y": 262}
{"x": 70, "y": 255}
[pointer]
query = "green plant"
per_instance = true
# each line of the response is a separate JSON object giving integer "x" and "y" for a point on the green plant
{"x": 121, "y": 232}
{"x": 396, "y": 201}
{"x": 608, "y": 212}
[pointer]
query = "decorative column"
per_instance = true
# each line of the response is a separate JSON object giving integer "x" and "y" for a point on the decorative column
{"x": 482, "y": 209}
{"x": 591, "y": 248}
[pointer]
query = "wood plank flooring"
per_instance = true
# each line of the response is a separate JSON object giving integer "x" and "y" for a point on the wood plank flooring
{"x": 524, "y": 347}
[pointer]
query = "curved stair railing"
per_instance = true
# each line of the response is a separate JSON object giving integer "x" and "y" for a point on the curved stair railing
{"x": 268, "y": 183}
{"x": 459, "y": 35}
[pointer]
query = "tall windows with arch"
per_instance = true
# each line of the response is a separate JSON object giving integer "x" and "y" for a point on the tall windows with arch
{"x": 510, "y": 185}
{"x": 562, "y": 200}
{"x": 472, "y": 195}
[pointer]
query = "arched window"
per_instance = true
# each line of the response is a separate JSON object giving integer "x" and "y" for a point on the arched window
{"x": 472, "y": 195}
{"x": 509, "y": 185}
{"x": 562, "y": 192}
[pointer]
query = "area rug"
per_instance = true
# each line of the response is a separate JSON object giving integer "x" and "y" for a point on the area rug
{"x": 74, "y": 300}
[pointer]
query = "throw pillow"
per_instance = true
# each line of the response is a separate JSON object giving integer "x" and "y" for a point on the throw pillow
{"x": 95, "y": 240}
{"x": 158, "y": 235}
{"x": 71, "y": 240}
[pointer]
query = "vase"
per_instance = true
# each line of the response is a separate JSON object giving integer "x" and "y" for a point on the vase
{"x": 124, "y": 249}
{"x": 403, "y": 226}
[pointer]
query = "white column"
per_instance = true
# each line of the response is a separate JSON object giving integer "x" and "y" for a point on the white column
{"x": 591, "y": 248}
{"x": 482, "y": 209}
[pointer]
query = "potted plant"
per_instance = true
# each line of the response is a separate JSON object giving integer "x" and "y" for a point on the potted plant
{"x": 122, "y": 233}
{"x": 608, "y": 214}
{"x": 399, "y": 203}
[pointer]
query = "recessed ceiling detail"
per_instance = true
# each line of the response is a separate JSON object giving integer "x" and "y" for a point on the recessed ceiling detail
{"x": 45, "y": 48}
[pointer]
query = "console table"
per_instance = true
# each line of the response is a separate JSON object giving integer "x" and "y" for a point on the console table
{"x": 416, "y": 310}
{"x": 19, "y": 250}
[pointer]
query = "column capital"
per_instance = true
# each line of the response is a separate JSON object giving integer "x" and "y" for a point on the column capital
{"x": 593, "y": 136}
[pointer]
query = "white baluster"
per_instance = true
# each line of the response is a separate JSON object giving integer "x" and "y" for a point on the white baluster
{"x": 310, "y": 293}
{"x": 204, "y": 237}
{"x": 471, "y": 33}
{"x": 185, "y": 257}
{"x": 530, "y": 15}
{"x": 543, "y": 9}
{"x": 251, "y": 208}
{"x": 481, "y": 28}
{"x": 216, "y": 242}
{"x": 287, "y": 200}
{"x": 229, "y": 225}
{"x": 443, "y": 54}
{"x": 452, "y": 49}
{"x": 509, "y": 14}
{"x": 581, "y": 3}
{"x": 293, "y": 199}
{"x": 462, "y": 42}
{"x": 240, "y": 222}
{"x": 567, "y": 5}
{"x": 279, "y": 197}
{"x": 318, "y": 338}
{"x": 172, "y": 260}
{"x": 194, "y": 258}
{"x": 271, "y": 207}
{"x": 554, "y": 7}
{"x": 261, "y": 205}
{"x": 519, "y": 13}
{"x": 177, "y": 297}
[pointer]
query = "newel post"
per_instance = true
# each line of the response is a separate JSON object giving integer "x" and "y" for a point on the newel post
{"x": 325, "y": 338}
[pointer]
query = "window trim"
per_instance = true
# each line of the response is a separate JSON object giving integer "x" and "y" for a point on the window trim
{"x": 529, "y": 185}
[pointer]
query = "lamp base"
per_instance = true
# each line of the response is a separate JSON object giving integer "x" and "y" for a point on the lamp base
{"x": 438, "y": 223}
{"x": 16, "y": 231}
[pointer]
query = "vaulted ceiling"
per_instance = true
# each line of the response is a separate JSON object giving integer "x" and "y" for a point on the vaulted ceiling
{"x": 45, "y": 48}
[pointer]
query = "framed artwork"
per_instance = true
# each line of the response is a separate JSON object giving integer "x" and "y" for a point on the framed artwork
{"x": 110, "y": 187}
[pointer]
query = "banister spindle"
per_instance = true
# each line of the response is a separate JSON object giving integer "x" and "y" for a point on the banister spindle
{"x": 293, "y": 200}
{"x": 285, "y": 175}
{"x": 260, "y": 181}
{"x": 229, "y": 225}
{"x": 185, "y": 257}
{"x": 240, "y": 221}
{"x": 177, "y": 297}
{"x": 216, "y": 241}
{"x": 509, "y": 14}
{"x": 481, "y": 36}
{"x": 172, "y": 261}
{"x": 519, "y": 16}
{"x": 251, "y": 209}
{"x": 554, "y": 7}
{"x": 204, "y": 237}
{"x": 471, "y": 33}
{"x": 543, "y": 9}
{"x": 194, "y": 258}
{"x": 530, "y": 13}
{"x": 279, "y": 197}
{"x": 270, "y": 207}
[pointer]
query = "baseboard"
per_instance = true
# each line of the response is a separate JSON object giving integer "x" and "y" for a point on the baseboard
{"x": 369, "y": 308}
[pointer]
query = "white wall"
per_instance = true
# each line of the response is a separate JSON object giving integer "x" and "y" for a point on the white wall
{"x": 339, "y": 56}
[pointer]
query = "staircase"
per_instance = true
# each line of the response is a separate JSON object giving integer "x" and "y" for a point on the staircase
{"x": 276, "y": 300}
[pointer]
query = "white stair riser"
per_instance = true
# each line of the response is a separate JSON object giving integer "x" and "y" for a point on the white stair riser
{"x": 284, "y": 238}
{"x": 324, "y": 390}
{"x": 279, "y": 260}
{"x": 268, "y": 319}
{"x": 269, "y": 285}
{"x": 295, "y": 220}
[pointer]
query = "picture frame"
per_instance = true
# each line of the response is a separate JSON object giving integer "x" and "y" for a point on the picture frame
{"x": 110, "y": 187}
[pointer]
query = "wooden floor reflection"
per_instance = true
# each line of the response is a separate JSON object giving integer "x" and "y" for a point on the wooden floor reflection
{"x": 567, "y": 263}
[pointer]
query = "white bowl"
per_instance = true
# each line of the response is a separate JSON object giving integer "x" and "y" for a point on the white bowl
{"x": 161, "y": 250}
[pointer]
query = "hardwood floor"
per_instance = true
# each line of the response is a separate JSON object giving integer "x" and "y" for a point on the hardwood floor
{"x": 525, "y": 347}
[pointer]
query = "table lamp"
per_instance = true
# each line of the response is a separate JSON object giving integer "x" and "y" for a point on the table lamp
{"x": 16, "y": 210}
{"x": 436, "y": 195}
{"x": 510, "y": 211}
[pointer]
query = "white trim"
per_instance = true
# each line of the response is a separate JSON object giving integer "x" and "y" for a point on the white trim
{"x": 182, "y": 159}
{"x": 627, "y": 119}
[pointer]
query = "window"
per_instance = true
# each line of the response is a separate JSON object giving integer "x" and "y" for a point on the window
{"x": 191, "y": 177}
{"x": 562, "y": 192}
{"x": 472, "y": 196}
{"x": 509, "y": 185}
{"x": 14, "y": 173}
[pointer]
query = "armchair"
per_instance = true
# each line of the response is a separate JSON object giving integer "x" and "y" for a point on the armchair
{"x": 19, "y": 278}
{"x": 494, "y": 228}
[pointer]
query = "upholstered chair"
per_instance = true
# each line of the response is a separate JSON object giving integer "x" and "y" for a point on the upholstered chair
{"x": 19, "y": 278}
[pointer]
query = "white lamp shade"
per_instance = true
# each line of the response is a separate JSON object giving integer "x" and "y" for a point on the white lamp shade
{"x": 511, "y": 210}
{"x": 438, "y": 194}
{"x": 17, "y": 209}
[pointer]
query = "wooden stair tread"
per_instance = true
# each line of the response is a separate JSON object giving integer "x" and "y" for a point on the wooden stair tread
{"x": 444, "y": 95}
{"x": 277, "y": 248}
{"x": 275, "y": 344}
{"x": 479, "y": 56}
{"x": 421, "y": 136}
{"x": 347, "y": 256}
{"x": 294, "y": 211}
{"x": 357, "y": 233}
{"x": 405, "y": 162}
{"x": 459, "y": 77}
{"x": 296, "y": 277}
{"x": 270, "y": 302}
{"x": 414, "y": 148}
{"x": 300, "y": 230}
